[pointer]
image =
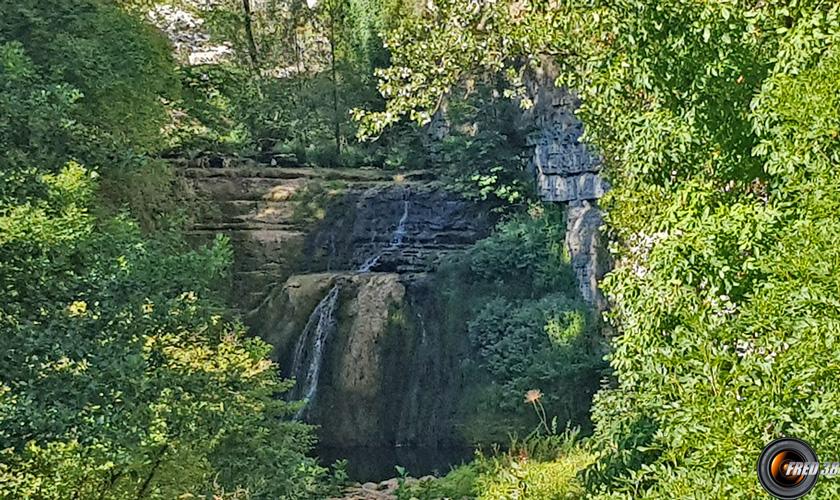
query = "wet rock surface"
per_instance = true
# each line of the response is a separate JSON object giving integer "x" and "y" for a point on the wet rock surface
{"x": 363, "y": 246}
{"x": 437, "y": 222}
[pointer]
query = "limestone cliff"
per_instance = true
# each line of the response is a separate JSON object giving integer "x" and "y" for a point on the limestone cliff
{"x": 384, "y": 375}
{"x": 565, "y": 170}
{"x": 568, "y": 171}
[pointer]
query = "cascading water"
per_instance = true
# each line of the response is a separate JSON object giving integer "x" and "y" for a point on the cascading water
{"x": 396, "y": 241}
{"x": 399, "y": 232}
{"x": 310, "y": 347}
{"x": 309, "y": 351}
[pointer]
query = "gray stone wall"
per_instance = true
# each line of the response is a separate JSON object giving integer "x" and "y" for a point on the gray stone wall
{"x": 565, "y": 168}
{"x": 567, "y": 171}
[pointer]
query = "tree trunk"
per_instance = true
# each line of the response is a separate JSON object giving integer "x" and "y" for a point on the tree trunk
{"x": 336, "y": 120}
{"x": 301, "y": 79}
{"x": 141, "y": 494}
{"x": 249, "y": 34}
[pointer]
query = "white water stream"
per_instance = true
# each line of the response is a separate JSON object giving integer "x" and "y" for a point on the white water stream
{"x": 310, "y": 347}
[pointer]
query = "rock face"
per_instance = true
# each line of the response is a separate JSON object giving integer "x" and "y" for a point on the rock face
{"x": 269, "y": 214}
{"x": 435, "y": 223}
{"x": 567, "y": 171}
{"x": 387, "y": 381}
{"x": 285, "y": 221}
{"x": 358, "y": 399}
{"x": 589, "y": 257}
{"x": 188, "y": 35}
{"x": 565, "y": 168}
{"x": 383, "y": 375}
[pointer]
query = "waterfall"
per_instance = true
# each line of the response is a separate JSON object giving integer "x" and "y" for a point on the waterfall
{"x": 310, "y": 347}
{"x": 399, "y": 232}
{"x": 396, "y": 241}
{"x": 309, "y": 351}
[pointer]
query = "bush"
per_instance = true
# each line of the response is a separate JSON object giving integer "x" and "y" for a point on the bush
{"x": 526, "y": 252}
{"x": 484, "y": 150}
{"x": 113, "y": 66}
{"x": 540, "y": 344}
{"x": 549, "y": 474}
{"x": 515, "y": 300}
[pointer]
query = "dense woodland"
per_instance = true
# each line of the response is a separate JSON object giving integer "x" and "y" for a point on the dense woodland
{"x": 125, "y": 372}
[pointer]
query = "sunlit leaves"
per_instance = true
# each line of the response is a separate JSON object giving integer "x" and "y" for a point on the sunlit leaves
{"x": 123, "y": 375}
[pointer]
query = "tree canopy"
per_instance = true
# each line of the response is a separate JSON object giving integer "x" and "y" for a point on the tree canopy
{"x": 124, "y": 375}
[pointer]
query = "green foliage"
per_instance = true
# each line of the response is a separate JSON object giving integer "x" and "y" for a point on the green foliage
{"x": 123, "y": 375}
{"x": 527, "y": 252}
{"x": 313, "y": 64}
{"x": 540, "y": 480}
{"x": 113, "y": 66}
{"x": 514, "y": 298}
{"x": 540, "y": 468}
{"x": 537, "y": 344}
{"x": 150, "y": 191}
{"x": 312, "y": 200}
{"x": 215, "y": 109}
{"x": 717, "y": 123}
{"x": 36, "y": 128}
{"x": 57, "y": 109}
{"x": 435, "y": 52}
{"x": 120, "y": 378}
{"x": 483, "y": 150}
{"x": 458, "y": 483}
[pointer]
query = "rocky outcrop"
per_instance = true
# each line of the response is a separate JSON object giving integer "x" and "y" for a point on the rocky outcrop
{"x": 437, "y": 222}
{"x": 365, "y": 366}
{"x": 189, "y": 37}
{"x": 383, "y": 490}
{"x": 284, "y": 221}
{"x": 567, "y": 171}
{"x": 359, "y": 398}
{"x": 390, "y": 374}
{"x": 589, "y": 257}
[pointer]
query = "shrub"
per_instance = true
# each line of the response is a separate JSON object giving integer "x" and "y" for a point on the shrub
{"x": 537, "y": 344}
{"x": 527, "y": 252}
{"x": 549, "y": 474}
{"x": 513, "y": 297}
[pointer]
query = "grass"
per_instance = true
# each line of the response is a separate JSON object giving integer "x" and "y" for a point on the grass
{"x": 535, "y": 479}
{"x": 541, "y": 468}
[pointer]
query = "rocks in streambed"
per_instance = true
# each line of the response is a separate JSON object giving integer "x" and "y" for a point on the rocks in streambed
{"x": 384, "y": 490}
